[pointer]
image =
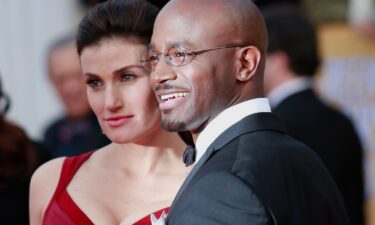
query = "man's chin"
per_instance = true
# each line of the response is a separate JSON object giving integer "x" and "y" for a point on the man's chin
{"x": 173, "y": 126}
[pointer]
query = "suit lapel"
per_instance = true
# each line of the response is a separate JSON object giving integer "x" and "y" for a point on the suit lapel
{"x": 196, "y": 167}
{"x": 251, "y": 123}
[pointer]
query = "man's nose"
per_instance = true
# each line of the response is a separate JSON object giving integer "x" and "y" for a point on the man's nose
{"x": 162, "y": 72}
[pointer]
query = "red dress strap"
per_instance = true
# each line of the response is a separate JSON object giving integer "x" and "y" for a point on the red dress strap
{"x": 69, "y": 168}
{"x": 56, "y": 212}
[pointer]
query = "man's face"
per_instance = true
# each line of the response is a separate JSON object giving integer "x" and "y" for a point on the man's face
{"x": 193, "y": 94}
{"x": 65, "y": 74}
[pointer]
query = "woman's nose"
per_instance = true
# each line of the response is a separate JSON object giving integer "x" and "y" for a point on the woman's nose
{"x": 113, "y": 100}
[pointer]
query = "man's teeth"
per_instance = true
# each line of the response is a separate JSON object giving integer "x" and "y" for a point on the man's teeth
{"x": 173, "y": 95}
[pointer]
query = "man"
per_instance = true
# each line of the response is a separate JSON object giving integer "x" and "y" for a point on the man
{"x": 78, "y": 130}
{"x": 292, "y": 60}
{"x": 207, "y": 60}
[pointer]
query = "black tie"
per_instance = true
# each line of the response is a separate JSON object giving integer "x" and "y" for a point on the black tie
{"x": 189, "y": 155}
{"x": 190, "y": 152}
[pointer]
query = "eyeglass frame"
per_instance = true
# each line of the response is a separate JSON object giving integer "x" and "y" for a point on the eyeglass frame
{"x": 192, "y": 53}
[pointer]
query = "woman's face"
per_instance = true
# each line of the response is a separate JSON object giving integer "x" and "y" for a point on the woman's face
{"x": 118, "y": 90}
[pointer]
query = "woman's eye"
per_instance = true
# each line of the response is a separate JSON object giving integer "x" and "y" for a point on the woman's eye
{"x": 127, "y": 77}
{"x": 94, "y": 83}
{"x": 153, "y": 58}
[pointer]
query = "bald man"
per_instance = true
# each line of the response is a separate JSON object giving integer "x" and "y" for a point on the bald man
{"x": 207, "y": 61}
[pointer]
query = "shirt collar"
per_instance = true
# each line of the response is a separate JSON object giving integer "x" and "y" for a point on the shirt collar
{"x": 277, "y": 95}
{"x": 227, "y": 118}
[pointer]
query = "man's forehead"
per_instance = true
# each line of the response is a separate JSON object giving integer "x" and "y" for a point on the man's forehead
{"x": 184, "y": 32}
{"x": 170, "y": 43}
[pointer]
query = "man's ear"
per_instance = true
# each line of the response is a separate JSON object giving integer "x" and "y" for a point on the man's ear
{"x": 249, "y": 61}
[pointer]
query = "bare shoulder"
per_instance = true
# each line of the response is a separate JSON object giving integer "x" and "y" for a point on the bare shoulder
{"x": 48, "y": 173}
{"x": 43, "y": 184}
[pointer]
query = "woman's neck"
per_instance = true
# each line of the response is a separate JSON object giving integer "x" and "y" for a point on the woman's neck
{"x": 160, "y": 153}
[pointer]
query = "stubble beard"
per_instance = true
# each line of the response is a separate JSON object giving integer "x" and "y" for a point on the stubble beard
{"x": 170, "y": 124}
{"x": 173, "y": 126}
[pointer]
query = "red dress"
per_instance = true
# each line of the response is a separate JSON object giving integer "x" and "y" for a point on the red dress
{"x": 62, "y": 210}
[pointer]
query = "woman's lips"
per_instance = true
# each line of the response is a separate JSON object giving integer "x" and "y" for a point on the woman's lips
{"x": 118, "y": 121}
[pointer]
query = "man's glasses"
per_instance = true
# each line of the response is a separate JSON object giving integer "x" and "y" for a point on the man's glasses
{"x": 177, "y": 56}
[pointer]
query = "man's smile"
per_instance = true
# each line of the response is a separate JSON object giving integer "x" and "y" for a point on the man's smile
{"x": 170, "y": 100}
{"x": 168, "y": 97}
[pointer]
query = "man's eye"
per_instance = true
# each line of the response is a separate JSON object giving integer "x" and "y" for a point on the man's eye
{"x": 127, "y": 77}
{"x": 179, "y": 54}
{"x": 94, "y": 83}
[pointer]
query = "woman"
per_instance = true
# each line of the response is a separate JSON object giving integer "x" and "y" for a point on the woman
{"x": 140, "y": 172}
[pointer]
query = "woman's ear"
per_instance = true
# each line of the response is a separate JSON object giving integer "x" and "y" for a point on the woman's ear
{"x": 249, "y": 61}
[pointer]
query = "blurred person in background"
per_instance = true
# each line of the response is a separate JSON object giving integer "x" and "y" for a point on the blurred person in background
{"x": 77, "y": 131}
{"x": 291, "y": 64}
{"x": 19, "y": 157}
{"x": 139, "y": 173}
{"x": 264, "y": 3}
{"x": 367, "y": 28}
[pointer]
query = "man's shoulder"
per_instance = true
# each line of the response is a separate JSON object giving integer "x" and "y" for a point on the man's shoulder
{"x": 270, "y": 145}
{"x": 264, "y": 152}
{"x": 260, "y": 139}
{"x": 269, "y": 155}
{"x": 313, "y": 106}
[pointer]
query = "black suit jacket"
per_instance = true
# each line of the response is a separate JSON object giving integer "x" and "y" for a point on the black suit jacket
{"x": 331, "y": 135}
{"x": 254, "y": 173}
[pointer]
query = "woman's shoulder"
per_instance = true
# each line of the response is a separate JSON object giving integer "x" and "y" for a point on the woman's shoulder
{"x": 48, "y": 172}
{"x": 46, "y": 177}
{"x": 42, "y": 187}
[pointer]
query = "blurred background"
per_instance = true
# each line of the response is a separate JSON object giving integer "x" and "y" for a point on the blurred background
{"x": 346, "y": 33}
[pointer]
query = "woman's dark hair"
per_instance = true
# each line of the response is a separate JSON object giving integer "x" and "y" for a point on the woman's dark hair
{"x": 117, "y": 18}
{"x": 17, "y": 160}
{"x": 4, "y": 101}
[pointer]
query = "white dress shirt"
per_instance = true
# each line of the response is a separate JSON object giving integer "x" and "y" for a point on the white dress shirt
{"x": 227, "y": 118}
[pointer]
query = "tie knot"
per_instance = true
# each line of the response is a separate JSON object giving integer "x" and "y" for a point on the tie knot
{"x": 189, "y": 155}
